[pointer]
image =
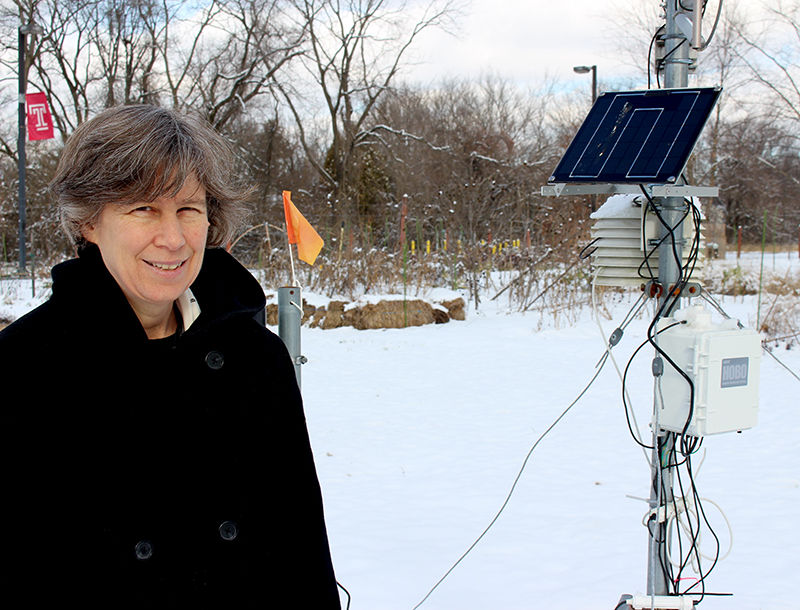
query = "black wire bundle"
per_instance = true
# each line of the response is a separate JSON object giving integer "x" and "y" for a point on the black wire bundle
{"x": 675, "y": 450}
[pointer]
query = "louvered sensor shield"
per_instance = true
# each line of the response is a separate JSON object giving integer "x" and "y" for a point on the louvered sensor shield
{"x": 625, "y": 252}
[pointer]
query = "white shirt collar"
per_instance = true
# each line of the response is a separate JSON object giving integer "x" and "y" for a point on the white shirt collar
{"x": 189, "y": 308}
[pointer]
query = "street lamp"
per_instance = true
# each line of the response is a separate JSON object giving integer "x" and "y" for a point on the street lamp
{"x": 593, "y": 70}
{"x": 24, "y": 30}
{"x": 586, "y": 70}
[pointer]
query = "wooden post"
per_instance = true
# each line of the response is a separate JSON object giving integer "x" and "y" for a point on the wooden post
{"x": 739, "y": 243}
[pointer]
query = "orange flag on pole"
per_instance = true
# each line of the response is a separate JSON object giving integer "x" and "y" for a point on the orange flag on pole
{"x": 300, "y": 231}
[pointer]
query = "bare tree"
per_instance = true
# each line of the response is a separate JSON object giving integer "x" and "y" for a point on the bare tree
{"x": 471, "y": 157}
{"x": 213, "y": 57}
{"x": 355, "y": 51}
{"x": 774, "y": 56}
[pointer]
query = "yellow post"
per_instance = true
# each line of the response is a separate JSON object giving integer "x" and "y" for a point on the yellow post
{"x": 413, "y": 247}
{"x": 428, "y": 246}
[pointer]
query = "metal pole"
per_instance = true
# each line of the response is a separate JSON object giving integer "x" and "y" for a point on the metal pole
{"x": 593, "y": 204}
{"x": 669, "y": 273}
{"x": 593, "y": 70}
{"x": 21, "y": 136}
{"x": 290, "y": 315}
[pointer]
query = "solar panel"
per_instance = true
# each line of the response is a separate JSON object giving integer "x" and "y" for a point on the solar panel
{"x": 637, "y": 136}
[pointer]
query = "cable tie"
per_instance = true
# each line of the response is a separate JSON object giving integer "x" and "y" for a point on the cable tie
{"x": 615, "y": 337}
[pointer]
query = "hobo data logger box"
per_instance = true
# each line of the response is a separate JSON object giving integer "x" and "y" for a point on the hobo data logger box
{"x": 723, "y": 364}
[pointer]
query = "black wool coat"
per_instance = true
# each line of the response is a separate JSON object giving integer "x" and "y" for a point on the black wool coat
{"x": 173, "y": 473}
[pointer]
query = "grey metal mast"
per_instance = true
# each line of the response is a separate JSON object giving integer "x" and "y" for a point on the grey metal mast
{"x": 672, "y": 209}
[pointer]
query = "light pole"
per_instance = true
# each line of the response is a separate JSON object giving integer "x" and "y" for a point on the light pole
{"x": 24, "y": 30}
{"x": 593, "y": 70}
{"x": 586, "y": 70}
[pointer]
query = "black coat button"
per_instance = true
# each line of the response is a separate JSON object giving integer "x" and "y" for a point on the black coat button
{"x": 143, "y": 549}
{"x": 228, "y": 530}
{"x": 215, "y": 360}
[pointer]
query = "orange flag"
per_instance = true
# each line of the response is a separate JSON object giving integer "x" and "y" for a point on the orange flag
{"x": 300, "y": 232}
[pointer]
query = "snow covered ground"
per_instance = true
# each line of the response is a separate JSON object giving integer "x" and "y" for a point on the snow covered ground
{"x": 419, "y": 434}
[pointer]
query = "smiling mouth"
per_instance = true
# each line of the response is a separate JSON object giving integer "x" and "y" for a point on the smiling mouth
{"x": 165, "y": 266}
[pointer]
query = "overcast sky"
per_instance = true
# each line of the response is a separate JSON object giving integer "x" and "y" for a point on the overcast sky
{"x": 526, "y": 40}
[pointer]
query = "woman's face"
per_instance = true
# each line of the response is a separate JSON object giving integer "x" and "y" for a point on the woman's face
{"x": 154, "y": 250}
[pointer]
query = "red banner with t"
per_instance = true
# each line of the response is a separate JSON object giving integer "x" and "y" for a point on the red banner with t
{"x": 40, "y": 122}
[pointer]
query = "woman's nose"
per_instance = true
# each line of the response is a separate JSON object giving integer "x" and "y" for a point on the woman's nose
{"x": 170, "y": 232}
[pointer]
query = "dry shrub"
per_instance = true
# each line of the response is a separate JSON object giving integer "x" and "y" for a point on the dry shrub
{"x": 733, "y": 281}
{"x": 781, "y": 322}
{"x": 545, "y": 279}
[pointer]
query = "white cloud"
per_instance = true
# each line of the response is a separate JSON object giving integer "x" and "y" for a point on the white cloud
{"x": 522, "y": 40}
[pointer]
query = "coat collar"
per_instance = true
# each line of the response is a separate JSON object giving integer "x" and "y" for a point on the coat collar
{"x": 91, "y": 298}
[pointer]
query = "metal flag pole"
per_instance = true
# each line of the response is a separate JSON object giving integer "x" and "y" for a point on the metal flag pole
{"x": 290, "y": 317}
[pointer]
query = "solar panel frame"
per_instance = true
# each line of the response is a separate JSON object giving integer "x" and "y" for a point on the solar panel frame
{"x": 637, "y": 137}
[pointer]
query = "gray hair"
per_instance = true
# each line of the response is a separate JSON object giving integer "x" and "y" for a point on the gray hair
{"x": 128, "y": 154}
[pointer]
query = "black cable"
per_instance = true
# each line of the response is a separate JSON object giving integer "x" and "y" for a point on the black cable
{"x": 650, "y": 54}
{"x": 696, "y": 537}
{"x": 671, "y": 298}
{"x": 655, "y": 247}
{"x": 693, "y": 548}
{"x": 583, "y": 254}
{"x": 701, "y": 511}
{"x": 625, "y": 378}
{"x": 691, "y": 8}
{"x": 694, "y": 528}
{"x": 646, "y": 261}
{"x": 664, "y": 60}
{"x": 669, "y": 451}
{"x": 675, "y": 442}
{"x": 651, "y": 338}
{"x": 346, "y": 592}
{"x": 670, "y": 230}
{"x": 514, "y": 485}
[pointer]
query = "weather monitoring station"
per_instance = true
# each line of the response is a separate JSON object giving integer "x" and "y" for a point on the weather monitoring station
{"x": 634, "y": 146}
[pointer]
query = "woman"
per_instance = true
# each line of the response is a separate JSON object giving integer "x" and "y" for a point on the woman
{"x": 159, "y": 457}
